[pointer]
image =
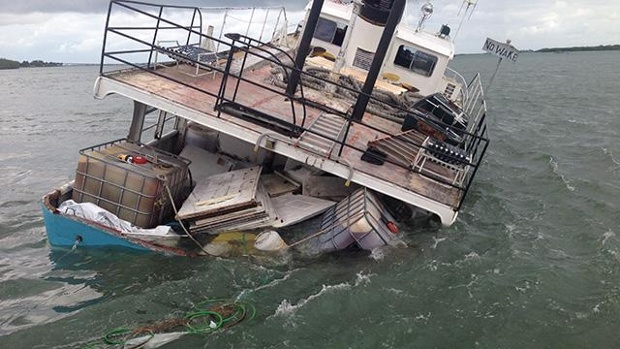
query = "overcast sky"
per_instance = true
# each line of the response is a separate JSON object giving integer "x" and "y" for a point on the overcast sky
{"x": 71, "y": 31}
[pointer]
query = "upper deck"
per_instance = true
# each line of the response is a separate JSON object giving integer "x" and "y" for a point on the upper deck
{"x": 239, "y": 93}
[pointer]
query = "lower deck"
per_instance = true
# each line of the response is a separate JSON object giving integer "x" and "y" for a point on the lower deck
{"x": 182, "y": 90}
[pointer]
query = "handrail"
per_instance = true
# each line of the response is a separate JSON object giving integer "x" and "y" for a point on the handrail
{"x": 251, "y": 43}
{"x": 475, "y": 141}
{"x": 461, "y": 81}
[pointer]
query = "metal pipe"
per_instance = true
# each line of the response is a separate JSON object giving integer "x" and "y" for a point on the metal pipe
{"x": 396, "y": 12}
{"x": 137, "y": 122}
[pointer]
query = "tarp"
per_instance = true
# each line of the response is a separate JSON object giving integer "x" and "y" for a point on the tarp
{"x": 99, "y": 215}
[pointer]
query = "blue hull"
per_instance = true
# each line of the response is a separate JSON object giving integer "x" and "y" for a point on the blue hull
{"x": 64, "y": 231}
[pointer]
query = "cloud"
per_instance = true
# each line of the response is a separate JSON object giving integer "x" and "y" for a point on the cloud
{"x": 101, "y": 6}
{"x": 66, "y": 37}
{"x": 72, "y": 30}
{"x": 54, "y": 6}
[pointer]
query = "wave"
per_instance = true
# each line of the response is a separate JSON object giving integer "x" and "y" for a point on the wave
{"x": 555, "y": 168}
{"x": 271, "y": 284}
{"x": 286, "y": 308}
{"x": 612, "y": 158}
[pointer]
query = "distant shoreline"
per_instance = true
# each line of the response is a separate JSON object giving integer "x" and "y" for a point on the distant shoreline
{"x": 9, "y": 64}
{"x": 581, "y": 48}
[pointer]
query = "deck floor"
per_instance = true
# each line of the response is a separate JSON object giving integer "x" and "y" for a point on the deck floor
{"x": 182, "y": 87}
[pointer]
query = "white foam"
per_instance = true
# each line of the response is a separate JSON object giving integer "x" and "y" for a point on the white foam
{"x": 611, "y": 156}
{"x": 472, "y": 256}
{"x": 437, "y": 241}
{"x": 554, "y": 168}
{"x": 272, "y": 283}
{"x": 362, "y": 279}
{"x": 286, "y": 308}
{"x": 377, "y": 253}
{"x": 607, "y": 235}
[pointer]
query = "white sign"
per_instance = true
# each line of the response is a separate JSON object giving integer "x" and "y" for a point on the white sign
{"x": 502, "y": 50}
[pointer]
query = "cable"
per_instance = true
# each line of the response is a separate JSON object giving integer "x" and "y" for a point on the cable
{"x": 176, "y": 212}
{"x": 107, "y": 338}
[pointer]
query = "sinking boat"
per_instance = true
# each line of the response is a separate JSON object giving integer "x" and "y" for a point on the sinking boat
{"x": 234, "y": 133}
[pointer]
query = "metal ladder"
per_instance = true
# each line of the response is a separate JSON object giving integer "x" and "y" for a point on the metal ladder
{"x": 323, "y": 134}
{"x": 401, "y": 148}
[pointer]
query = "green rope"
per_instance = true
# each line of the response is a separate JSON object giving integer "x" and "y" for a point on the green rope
{"x": 245, "y": 246}
{"x": 198, "y": 322}
{"x": 206, "y": 328}
{"x": 107, "y": 338}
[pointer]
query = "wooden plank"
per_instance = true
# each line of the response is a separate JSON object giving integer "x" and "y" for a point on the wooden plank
{"x": 232, "y": 216}
{"x": 223, "y": 191}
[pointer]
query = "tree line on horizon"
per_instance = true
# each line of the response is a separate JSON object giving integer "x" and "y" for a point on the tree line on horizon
{"x": 581, "y": 48}
{"x": 9, "y": 64}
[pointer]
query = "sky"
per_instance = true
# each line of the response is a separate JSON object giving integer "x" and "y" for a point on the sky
{"x": 71, "y": 31}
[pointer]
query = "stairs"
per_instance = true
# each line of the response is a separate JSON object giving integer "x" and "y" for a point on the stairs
{"x": 323, "y": 134}
{"x": 401, "y": 148}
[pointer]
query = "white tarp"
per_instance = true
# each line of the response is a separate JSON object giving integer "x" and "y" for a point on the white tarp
{"x": 97, "y": 214}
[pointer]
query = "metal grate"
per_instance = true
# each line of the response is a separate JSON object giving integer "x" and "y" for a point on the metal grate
{"x": 363, "y": 59}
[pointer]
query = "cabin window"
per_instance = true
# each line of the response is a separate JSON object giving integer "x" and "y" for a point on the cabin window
{"x": 330, "y": 31}
{"x": 415, "y": 60}
{"x": 363, "y": 59}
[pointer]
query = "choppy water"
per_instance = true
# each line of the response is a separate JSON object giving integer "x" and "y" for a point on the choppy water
{"x": 532, "y": 261}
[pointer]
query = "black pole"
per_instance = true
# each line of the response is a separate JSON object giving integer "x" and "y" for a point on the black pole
{"x": 304, "y": 46}
{"x": 398, "y": 6}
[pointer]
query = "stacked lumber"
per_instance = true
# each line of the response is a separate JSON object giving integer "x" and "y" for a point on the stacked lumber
{"x": 227, "y": 201}
{"x": 244, "y": 200}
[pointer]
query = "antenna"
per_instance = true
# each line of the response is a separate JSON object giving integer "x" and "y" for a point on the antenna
{"x": 468, "y": 6}
{"x": 425, "y": 13}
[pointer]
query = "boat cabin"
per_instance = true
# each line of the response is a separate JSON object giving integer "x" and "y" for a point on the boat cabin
{"x": 415, "y": 59}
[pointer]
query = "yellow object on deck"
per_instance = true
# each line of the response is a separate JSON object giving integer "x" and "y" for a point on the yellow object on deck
{"x": 391, "y": 77}
{"x": 232, "y": 244}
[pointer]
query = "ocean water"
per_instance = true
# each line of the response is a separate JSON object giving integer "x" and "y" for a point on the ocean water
{"x": 533, "y": 260}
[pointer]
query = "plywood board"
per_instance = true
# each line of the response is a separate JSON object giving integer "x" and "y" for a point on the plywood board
{"x": 276, "y": 184}
{"x": 291, "y": 209}
{"x": 223, "y": 191}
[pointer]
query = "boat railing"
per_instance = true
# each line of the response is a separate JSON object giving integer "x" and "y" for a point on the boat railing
{"x": 455, "y": 77}
{"x": 475, "y": 106}
{"x": 141, "y": 45}
{"x": 206, "y": 26}
{"x": 472, "y": 137}
{"x": 278, "y": 31}
{"x": 266, "y": 52}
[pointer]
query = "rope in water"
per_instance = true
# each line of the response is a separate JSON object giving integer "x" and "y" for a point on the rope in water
{"x": 212, "y": 315}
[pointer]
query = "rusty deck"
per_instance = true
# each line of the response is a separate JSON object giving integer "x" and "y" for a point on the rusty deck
{"x": 177, "y": 84}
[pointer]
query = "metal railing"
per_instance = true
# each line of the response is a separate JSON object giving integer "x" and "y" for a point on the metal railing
{"x": 143, "y": 40}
